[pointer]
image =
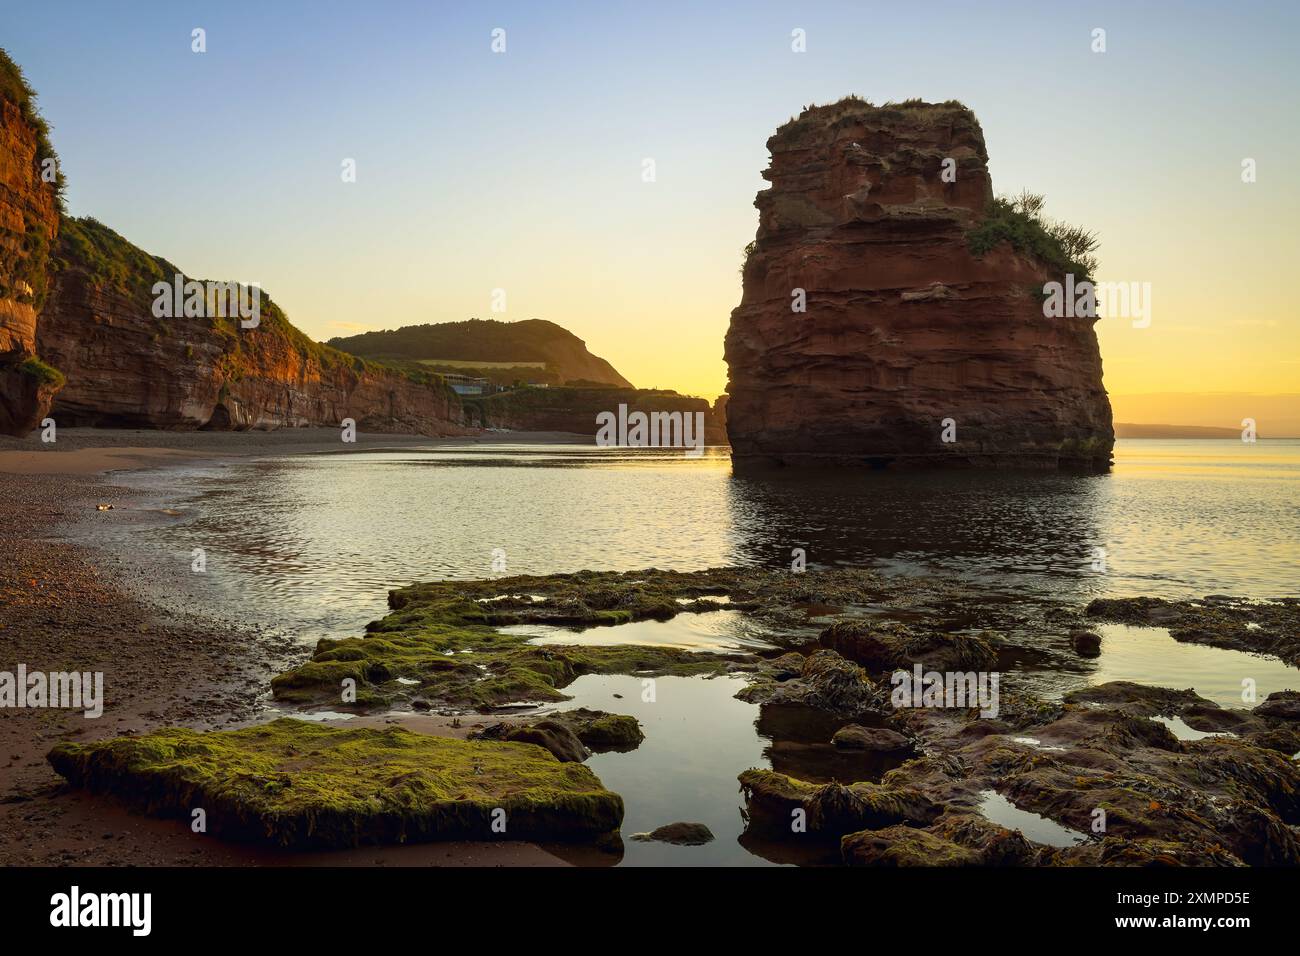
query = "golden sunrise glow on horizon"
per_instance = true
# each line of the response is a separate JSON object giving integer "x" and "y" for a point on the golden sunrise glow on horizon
{"x": 478, "y": 172}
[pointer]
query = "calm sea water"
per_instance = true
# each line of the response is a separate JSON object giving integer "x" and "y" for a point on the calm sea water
{"x": 319, "y": 540}
{"x": 311, "y": 545}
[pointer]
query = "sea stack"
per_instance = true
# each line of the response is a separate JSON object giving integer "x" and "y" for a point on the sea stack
{"x": 912, "y": 349}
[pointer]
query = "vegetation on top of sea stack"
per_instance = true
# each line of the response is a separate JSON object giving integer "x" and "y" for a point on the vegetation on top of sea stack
{"x": 1019, "y": 220}
{"x": 858, "y": 108}
{"x": 304, "y": 785}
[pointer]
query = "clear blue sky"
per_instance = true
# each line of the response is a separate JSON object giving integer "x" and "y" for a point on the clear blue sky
{"x": 523, "y": 171}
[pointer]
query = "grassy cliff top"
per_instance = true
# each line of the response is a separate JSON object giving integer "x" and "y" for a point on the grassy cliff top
{"x": 497, "y": 345}
{"x": 112, "y": 261}
{"x": 15, "y": 88}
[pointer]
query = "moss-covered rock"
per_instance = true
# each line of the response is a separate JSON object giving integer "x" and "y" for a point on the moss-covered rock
{"x": 571, "y": 731}
{"x": 446, "y": 636}
{"x": 885, "y": 647}
{"x": 553, "y": 736}
{"x": 604, "y": 732}
{"x": 830, "y": 810}
{"x": 306, "y": 785}
{"x": 825, "y": 682}
{"x": 678, "y": 834}
{"x": 1118, "y": 851}
{"x": 905, "y": 846}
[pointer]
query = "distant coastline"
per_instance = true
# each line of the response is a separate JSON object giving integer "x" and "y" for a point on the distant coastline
{"x": 1131, "y": 430}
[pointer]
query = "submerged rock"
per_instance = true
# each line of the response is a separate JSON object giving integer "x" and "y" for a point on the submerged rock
{"x": 1086, "y": 643}
{"x": 679, "y": 834}
{"x": 856, "y": 737}
{"x": 305, "y": 785}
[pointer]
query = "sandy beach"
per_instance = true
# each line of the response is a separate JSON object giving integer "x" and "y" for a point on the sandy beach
{"x": 90, "y": 451}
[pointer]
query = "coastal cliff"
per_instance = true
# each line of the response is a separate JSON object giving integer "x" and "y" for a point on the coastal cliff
{"x": 29, "y": 221}
{"x": 908, "y": 320}
{"x": 79, "y": 338}
{"x": 127, "y": 368}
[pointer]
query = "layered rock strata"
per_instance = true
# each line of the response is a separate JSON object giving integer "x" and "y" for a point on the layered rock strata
{"x": 907, "y": 336}
{"x": 127, "y": 368}
{"x": 29, "y": 221}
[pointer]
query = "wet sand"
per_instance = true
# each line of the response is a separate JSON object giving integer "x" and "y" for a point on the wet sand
{"x": 65, "y": 606}
{"x": 89, "y": 451}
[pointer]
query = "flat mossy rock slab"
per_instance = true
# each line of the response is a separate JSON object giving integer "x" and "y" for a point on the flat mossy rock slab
{"x": 442, "y": 643}
{"x": 305, "y": 785}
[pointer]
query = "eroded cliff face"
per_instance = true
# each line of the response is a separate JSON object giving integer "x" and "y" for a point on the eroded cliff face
{"x": 904, "y": 326}
{"x": 29, "y": 221}
{"x": 127, "y": 368}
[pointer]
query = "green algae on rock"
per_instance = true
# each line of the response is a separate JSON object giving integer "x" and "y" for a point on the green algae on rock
{"x": 595, "y": 730}
{"x": 831, "y": 810}
{"x": 961, "y": 841}
{"x": 1259, "y": 627}
{"x": 445, "y": 636}
{"x": 304, "y": 785}
{"x": 677, "y": 834}
{"x": 1097, "y": 763}
{"x": 884, "y": 647}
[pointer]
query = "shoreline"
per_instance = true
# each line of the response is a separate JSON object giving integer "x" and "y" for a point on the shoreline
{"x": 66, "y": 604}
{"x": 69, "y": 603}
{"x": 92, "y": 451}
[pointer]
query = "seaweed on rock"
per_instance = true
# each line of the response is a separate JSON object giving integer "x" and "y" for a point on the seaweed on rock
{"x": 445, "y": 636}
{"x": 304, "y": 785}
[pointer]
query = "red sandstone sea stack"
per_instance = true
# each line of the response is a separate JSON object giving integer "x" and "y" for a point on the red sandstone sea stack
{"x": 905, "y": 326}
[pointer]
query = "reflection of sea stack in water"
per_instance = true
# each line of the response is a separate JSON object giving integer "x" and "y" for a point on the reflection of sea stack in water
{"x": 907, "y": 336}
